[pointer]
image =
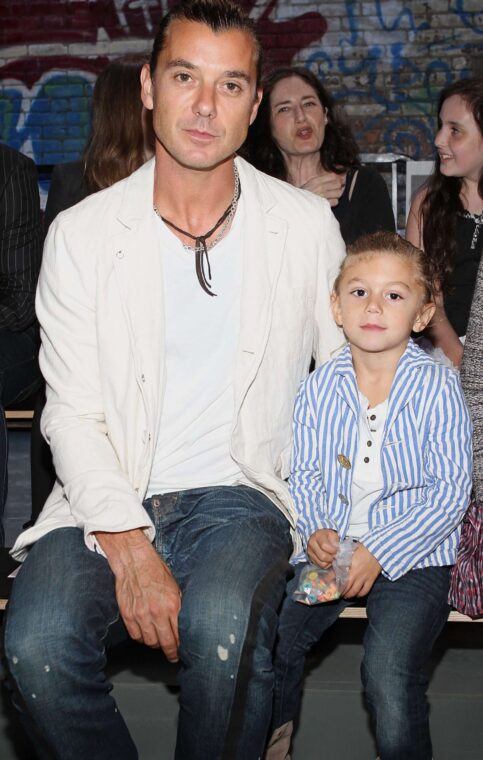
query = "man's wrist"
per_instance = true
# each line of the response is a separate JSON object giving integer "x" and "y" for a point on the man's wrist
{"x": 119, "y": 547}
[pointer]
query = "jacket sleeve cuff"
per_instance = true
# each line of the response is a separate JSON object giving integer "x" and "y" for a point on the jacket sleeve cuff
{"x": 391, "y": 567}
{"x": 93, "y": 544}
{"x": 306, "y": 530}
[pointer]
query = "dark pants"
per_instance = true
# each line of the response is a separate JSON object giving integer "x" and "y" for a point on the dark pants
{"x": 404, "y": 619}
{"x": 228, "y": 548}
{"x": 19, "y": 378}
{"x": 42, "y": 471}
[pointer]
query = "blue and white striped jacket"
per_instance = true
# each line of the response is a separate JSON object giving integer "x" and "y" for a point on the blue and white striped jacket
{"x": 425, "y": 461}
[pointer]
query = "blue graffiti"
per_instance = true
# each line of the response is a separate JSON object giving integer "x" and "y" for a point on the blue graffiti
{"x": 351, "y": 10}
{"x": 410, "y": 90}
{"x": 405, "y": 13}
{"x": 405, "y": 73}
{"x": 408, "y": 136}
{"x": 59, "y": 108}
{"x": 469, "y": 18}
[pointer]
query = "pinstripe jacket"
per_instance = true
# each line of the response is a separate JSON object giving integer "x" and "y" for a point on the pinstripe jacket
{"x": 425, "y": 461}
{"x": 21, "y": 239}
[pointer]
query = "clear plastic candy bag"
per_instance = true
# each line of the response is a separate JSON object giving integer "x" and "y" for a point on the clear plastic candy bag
{"x": 317, "y": 584}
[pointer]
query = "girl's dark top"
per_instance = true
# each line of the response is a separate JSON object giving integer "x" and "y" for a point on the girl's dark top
{"x": 460, "y": 287}
{"x": 369, "y": 208}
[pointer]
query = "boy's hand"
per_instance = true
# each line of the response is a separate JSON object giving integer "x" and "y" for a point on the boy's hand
{"x": 322, "y": 547}
{"x": 363, "y": 572}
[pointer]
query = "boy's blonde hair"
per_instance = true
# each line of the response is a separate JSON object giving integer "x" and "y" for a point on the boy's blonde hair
{"x": 389, "y": 242}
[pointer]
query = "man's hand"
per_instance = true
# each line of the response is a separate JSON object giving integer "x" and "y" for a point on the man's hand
{"x": 330, "y": 186}
{"x": 148, "y": 596}
{"x": 363, "y": 572}
{"x": 322, "y": 547}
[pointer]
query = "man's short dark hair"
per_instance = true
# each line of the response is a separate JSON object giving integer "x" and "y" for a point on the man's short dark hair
{"x": 219, "y": 15}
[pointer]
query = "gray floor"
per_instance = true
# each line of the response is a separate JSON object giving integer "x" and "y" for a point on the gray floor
{"x": 333, "y": 724}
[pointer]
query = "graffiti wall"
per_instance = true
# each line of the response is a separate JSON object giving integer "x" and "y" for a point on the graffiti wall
{"x": 384, "y": 61}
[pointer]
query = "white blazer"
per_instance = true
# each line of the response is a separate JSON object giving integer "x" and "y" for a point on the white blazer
{"x": 100, "y": 306}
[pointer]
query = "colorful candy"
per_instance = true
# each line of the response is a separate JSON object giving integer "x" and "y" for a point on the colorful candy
{"x": 317, "y": 585}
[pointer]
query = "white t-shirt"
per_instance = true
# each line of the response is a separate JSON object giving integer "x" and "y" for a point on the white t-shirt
{"x": 367, "y": 482}
{"x": 193, "y": 444}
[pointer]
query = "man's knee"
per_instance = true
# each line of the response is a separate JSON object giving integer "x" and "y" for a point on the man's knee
{"x": 57, "y": 618}
{"x": 223, "y": 624}
{"x": 34, "y": 636}
{"x": 210, "y": 623}
{"x": 34, "y": 660}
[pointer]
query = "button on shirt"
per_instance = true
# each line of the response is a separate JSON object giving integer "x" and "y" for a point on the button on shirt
{"x": 367, "y": 481}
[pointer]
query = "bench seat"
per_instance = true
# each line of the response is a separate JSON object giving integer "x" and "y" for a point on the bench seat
{"x": 356, "y": 612}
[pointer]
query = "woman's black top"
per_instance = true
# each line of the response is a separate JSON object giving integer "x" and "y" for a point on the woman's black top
{"x": 458, "y": 292}
{"x": 369, "y": 208}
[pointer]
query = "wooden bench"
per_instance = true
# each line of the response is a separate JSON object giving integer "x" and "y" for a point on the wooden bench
{"x": 7, "y": 565}
{"x": 359, "y": 613}
{"x": 19, "y": 418}
{"x": 20, "y": 414}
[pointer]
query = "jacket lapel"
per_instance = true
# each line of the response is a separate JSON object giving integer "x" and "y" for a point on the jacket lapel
{"x": 347, "y": 388}
{"x": 263, "y": 250}
{"x": 137, "y": 265}
{"x": 403, "y": 387}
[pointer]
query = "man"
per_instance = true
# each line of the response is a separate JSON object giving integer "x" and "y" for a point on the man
{"x": 20, "y": 257}
{"x": 171, "y": 373}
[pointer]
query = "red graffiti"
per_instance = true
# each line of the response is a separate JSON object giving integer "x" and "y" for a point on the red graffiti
{"x": 87, "y": 21}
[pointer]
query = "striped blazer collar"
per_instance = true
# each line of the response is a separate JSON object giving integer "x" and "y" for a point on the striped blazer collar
{"x": 402, "y": 389}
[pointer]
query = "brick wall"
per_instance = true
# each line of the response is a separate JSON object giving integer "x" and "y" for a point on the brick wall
{"x": 385, "y": 61}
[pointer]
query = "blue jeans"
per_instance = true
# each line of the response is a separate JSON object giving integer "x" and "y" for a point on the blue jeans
{"x": 405, "y": 618}
{"x": 228, "y": 549}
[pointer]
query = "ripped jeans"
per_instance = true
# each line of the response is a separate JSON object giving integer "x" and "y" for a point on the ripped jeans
{"x": 228, "y": 548}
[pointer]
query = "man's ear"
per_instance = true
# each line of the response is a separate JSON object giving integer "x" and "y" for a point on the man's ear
{"x": 335, "y": 306}
{"x": 256, "y": 103}
{"x": 424, "y": 317}
{"x": 147, "y": 87}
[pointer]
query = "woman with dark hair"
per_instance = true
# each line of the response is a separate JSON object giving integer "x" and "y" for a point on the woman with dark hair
{"x": 299, "y": 136}
{"x": 446, "y": 216}
{"x": 121, "y": 138}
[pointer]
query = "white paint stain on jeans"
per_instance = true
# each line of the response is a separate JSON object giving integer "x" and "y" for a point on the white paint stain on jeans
{"x": 222, "y": 653}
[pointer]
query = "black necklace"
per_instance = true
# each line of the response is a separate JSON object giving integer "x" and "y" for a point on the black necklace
{"x": 200, "y": 248}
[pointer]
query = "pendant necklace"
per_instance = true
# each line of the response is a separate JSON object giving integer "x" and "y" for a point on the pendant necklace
{"x": 200, "y": 247}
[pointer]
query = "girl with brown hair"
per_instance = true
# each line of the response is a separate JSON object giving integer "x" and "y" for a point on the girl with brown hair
{"x": 446, "y": 216}
{"x": 121, "y": 138}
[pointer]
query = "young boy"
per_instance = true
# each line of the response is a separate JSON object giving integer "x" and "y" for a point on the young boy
{"x": 382, "y": 454}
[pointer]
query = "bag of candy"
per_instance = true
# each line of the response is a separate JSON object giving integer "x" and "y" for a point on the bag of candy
{"x": 317, "y": 584}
